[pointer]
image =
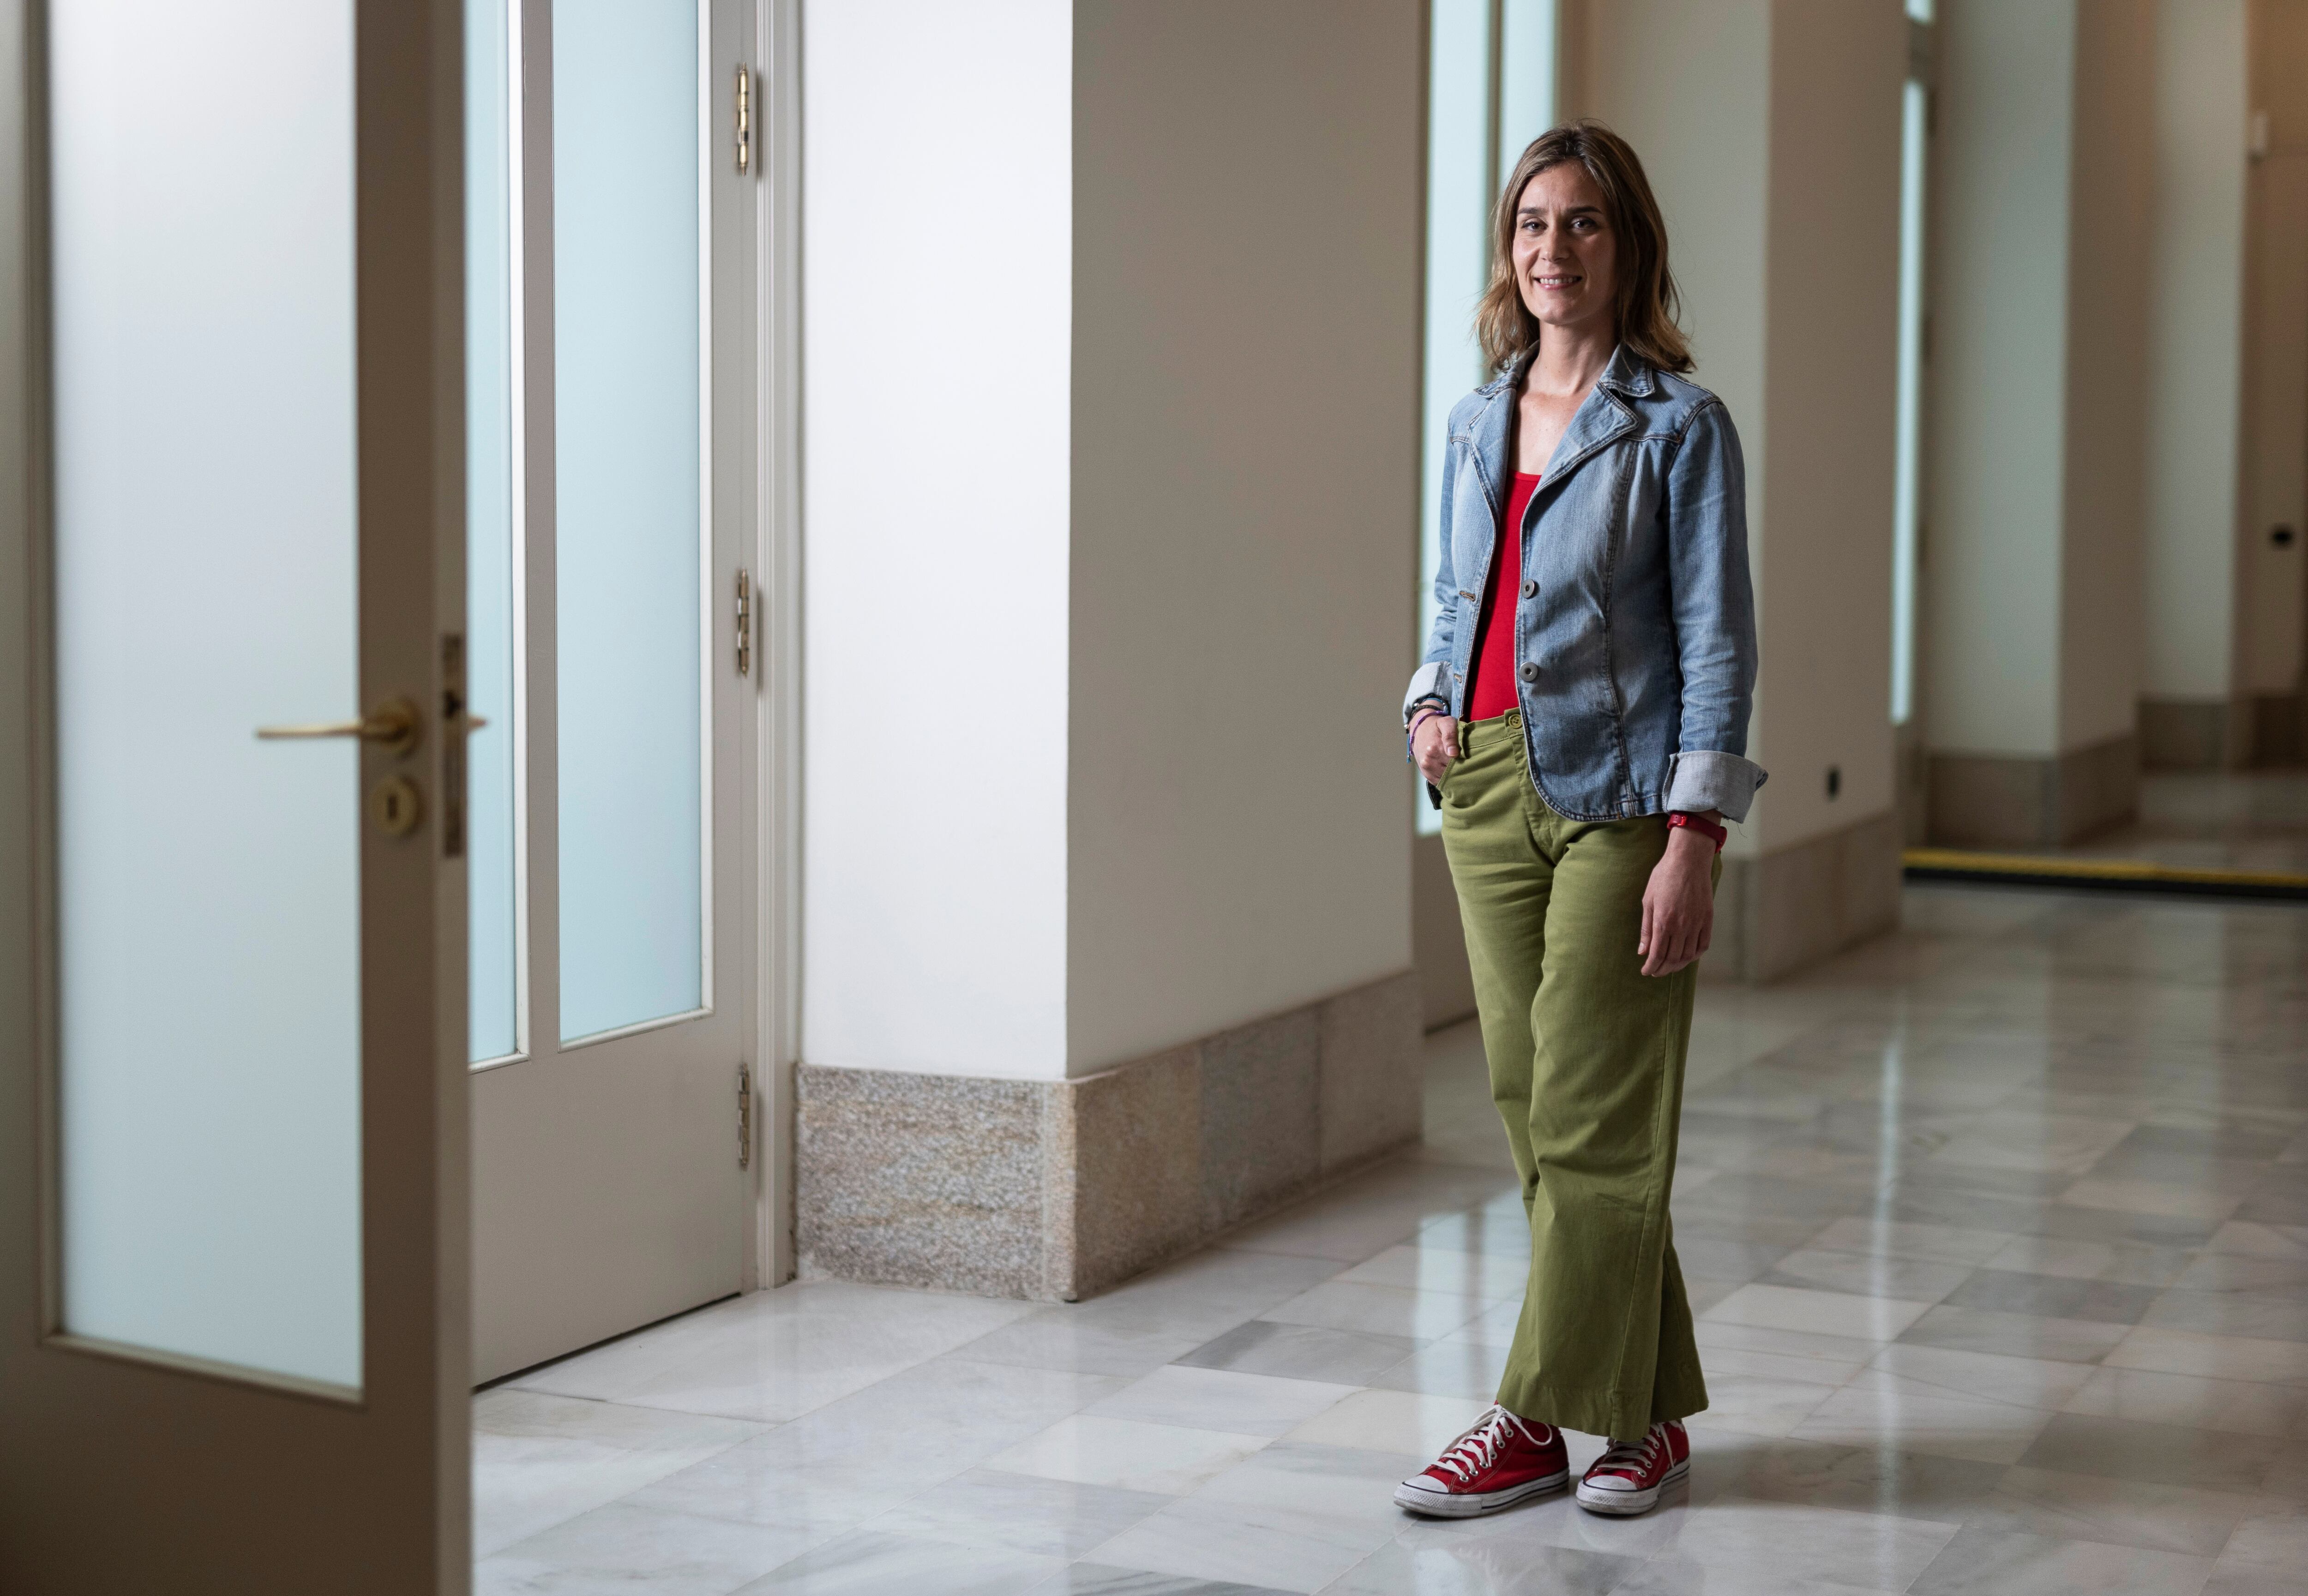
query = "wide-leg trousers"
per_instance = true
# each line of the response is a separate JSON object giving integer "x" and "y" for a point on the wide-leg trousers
{"x": 1585, "y": 1060}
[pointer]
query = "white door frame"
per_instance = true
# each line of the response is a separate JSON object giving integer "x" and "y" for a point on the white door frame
{"x": 777, "y": 678}
{"x": 609, "y": 1192}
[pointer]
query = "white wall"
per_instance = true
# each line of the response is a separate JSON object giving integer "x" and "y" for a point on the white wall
{"x": 1111, "y": 317}
{"x": 936, "y": 239}
{"x": 1770, "y": 132}
{"x": 1248, "y": 226}
{"x": 2195, "y": 349}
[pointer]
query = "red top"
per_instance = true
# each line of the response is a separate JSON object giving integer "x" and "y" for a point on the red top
{"x": 1492, "y": 692}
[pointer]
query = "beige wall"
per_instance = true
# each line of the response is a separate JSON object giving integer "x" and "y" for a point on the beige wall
{"x": 1688, "y": 83}
{"x": 2195, "y": 350}
{"x": 1771, "y": 132}
{"x": 2275, "y": 436}
{"x": 2102, "y": 628}
{"x": 1244, "y": 412}
{"x": 1838, "y": 70}
{"x": 1999, "y": 269}
{"x": 2038, "y": 388}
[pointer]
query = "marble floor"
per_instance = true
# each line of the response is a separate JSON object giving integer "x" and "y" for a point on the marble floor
{"x": 1997, "y": 1231}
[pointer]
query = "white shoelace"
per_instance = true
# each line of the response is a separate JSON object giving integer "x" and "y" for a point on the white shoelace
{"x": 1629, "y": 1457}
{"x": 1479, "y": 1448}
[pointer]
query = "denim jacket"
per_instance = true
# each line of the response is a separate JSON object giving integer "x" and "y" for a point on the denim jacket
{"x": 1635, "y": 630}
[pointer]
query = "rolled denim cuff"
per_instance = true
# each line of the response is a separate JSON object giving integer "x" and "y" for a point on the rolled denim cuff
{"x": 1702, "y": 778}
{"x": 1428, "y": 682}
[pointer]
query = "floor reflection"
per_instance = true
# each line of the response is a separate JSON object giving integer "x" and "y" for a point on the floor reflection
{"x": 1997, "y": 1230}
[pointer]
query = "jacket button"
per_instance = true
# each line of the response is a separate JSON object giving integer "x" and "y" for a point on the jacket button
{"x": 1529, "y": 589}
{"x": 1529, "y": 671}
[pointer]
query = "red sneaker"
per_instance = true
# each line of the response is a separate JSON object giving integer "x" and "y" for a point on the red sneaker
{"x": 1629, "y": 1476}
{"x": 1502, "y": 1461}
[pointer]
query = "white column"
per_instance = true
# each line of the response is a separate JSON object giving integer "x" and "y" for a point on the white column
{"x": 2040, "y": 312}
{"x": 1111, "y": 389}
{"x": 2196, "y": 385}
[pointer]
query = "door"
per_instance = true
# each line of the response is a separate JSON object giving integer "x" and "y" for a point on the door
{"x": 232, "y": 1180}
{"x": 611, "y": 248}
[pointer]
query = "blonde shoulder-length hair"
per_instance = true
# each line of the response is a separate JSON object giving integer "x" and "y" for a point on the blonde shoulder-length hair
{"x": 1647, "y": 300}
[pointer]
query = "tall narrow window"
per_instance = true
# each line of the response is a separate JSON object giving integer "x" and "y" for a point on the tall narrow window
{"x": 1490, "y": 91}
{"x": 1907, "y": 509}
{"x": 629, "y": 510}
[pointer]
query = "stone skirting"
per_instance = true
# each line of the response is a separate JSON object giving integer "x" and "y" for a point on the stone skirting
{"x": 2195, "y": 734}
{"x": 2248, "y": 732}
{"x": 1773, "y": 914}
{"x": 1799, "y": 905}
{"x": 1438, "y": 938}
{"x": 1995, "y": 801}
{"x": 1056, "y": 1189}
{"x": 2279, "y": 730}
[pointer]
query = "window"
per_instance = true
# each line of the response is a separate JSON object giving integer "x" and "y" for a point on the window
{"x": 1907, "y": 512}
{"x": 1490, "y": 91}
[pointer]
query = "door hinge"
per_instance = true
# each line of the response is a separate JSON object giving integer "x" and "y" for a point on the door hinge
{"x": 744, "y": 622}
{"x": 744, "y": 119}
{"x": 744, "y": 1117}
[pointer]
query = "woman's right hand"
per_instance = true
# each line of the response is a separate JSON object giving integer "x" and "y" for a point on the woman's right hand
{"x": 1435, "y": 744}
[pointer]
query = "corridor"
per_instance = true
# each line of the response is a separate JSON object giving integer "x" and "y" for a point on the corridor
{"x": 1997, "y": 1229}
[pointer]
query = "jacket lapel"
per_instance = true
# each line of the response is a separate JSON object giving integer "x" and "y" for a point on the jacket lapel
{"x": 1493, "y": 439}
{"x": 1602, "y": 419}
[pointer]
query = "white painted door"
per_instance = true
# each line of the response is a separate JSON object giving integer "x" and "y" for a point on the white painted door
{"x": 234, "y": 1321}
{"x": 611, "y": 242}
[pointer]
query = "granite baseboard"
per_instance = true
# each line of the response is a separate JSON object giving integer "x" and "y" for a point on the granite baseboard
{"x": 1997, "y": 800}
{"x": 1054, "y": 1190}
{"x": 1773, "y": 914}
{"x": 1438, "y": 938}
{"x": 2279, "y": 730}
{"x": 1799, "y": 905}
{"x": 2195, "y": 734}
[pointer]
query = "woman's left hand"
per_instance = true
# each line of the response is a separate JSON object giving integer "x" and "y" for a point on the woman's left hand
{"x": 1678, "y": 903}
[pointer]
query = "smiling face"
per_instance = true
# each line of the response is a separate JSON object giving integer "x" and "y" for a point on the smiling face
{"x": 1565, "y": 254}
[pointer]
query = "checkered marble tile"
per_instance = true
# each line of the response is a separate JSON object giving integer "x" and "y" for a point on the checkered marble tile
{"x": 1997, "y": 1231}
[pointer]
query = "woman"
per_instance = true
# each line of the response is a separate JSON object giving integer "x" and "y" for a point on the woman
{"x": 1581, "y": 720}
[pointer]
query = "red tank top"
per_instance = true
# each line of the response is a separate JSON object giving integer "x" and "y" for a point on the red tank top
{"x": 1492, "y": 692}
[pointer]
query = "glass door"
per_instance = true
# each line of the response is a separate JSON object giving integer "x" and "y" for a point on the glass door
{"x": 232, "y": 835}
{"x": 612, "y": 926}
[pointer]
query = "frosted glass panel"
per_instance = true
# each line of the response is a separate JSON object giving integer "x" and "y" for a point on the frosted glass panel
{"x": 209, "y": 908}
{"x": 490, "y": 832}
{"x": 627, "y": 468}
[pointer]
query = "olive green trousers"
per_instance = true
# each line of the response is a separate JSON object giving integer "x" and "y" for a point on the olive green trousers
{"x": 1586, "y": 1057}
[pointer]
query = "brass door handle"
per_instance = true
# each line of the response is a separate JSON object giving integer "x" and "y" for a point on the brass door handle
{"x": 393, "y": 725}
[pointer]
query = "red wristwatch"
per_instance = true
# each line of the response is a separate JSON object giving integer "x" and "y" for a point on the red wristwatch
{"x": 1702, "y": 825}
